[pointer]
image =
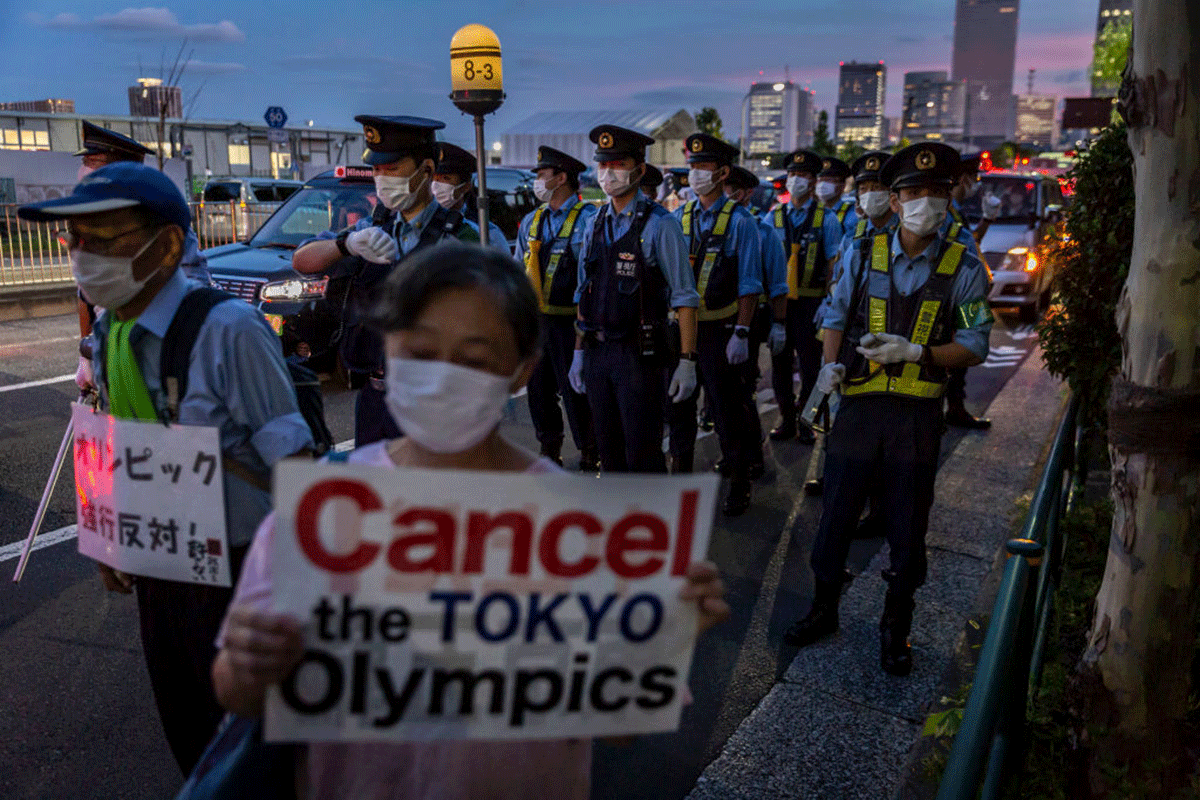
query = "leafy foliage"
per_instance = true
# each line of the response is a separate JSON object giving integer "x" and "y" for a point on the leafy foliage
{"x": 1079, "y": 336}
{"x": 1109, "y": 54}
{"x": 709, "y": 121}
{"x": 850, "y": 151}
{"x": 823, "y": 145}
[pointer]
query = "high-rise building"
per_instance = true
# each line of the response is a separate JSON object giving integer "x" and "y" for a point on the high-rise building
{"x": 1110, "y": 11}
{"x": 149, "y": 96}
{"x": 776, "y": 118}
{"x": 985, "y": 53}
{"x": 859, "y": 117}
{"x": 1037, "y": 120}
{"x": 41, "y": 106}
{"x": 933, "y": 107}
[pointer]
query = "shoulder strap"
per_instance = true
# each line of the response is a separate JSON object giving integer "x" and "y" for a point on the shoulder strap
{"x": 179, "y": 340}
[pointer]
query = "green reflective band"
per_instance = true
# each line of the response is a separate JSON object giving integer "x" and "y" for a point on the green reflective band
{"x": 974, "y": 313}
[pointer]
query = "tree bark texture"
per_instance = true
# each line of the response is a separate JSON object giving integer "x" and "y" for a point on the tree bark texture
{"x": 1139, "y": 661}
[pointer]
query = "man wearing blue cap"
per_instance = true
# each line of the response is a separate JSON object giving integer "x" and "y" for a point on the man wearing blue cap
{"x": 906, "y": 308}
{"x": 452, "y": 187}
{"x": 403, "y": 153}
{"x": 549, "y": 242}
{"x": 125, "y": 227}
{"x": 633, "y": 270}
{"x": 726, "y": 260}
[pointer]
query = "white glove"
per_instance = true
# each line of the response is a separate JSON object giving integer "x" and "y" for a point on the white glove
{"x": 738, "y": 349}
{"x": 889, "y": 348}
{"x": 683, "y": 382}
{"x": 991, "y": 206}
{"x": 575, "y": 373}
{"x": 373, "y": 244}
{"x": 830, "y": 378}
{"x": 83, "y": 375}
{"x": 777, "y": 338}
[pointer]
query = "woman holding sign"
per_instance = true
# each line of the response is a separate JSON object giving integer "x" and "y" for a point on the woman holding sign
{"x": 460, "y": 326}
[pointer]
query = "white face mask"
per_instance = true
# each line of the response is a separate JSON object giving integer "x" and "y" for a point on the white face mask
{"x": 924, "y": 215}
{"x": 396, "y": 193}
{"x": 701, "y": 181}
{"x": 108, "y": 281}
{"x": 614, "y": 182}
{"x": 875, "y": 204}
{"x": 444, "y": 407}
{"x": 444, "y": 192}
{"x": 541, "y": 192}
{"x": 797, "y": 185}
{"x": 826, "y": 191}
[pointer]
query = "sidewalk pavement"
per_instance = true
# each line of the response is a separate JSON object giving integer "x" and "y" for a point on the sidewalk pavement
{"x": 36, "y": 300}
{"x": 836, "y": 726}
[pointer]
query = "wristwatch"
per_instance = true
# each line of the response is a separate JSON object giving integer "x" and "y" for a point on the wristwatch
{"x": 741, "y": 331}
{"x": 340, "y": 241}
{"x": 688, "y": 356}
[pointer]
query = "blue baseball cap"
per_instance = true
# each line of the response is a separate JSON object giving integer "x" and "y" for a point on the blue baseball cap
{"x": 121, "y": 185}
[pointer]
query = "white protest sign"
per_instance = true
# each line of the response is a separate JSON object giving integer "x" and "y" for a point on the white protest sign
{"x": 473, "y": 605}
{"x": 149, "y": 499}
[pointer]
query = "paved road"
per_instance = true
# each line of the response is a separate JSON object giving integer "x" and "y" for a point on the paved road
{"x": 78, "y": 719}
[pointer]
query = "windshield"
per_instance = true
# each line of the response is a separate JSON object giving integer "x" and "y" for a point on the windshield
{"x": 506, "y": 180}
{"x": 222, "y": 192}
{"x": 314, "y": 210}
{"x": 1018, "y": 198}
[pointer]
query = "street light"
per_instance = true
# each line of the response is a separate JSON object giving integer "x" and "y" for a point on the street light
{"x": 477, "y": 88}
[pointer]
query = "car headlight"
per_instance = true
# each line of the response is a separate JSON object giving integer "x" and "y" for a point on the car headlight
{"x": 294, "y": 289}
{"x": 1020, "y": 259}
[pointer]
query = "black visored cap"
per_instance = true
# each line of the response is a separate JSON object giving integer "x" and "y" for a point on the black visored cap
{"x": 454, "y": 160}
{"x": 652, "y": 179}
{"x": 924, "y": 164}
{"x": 867, "y": 166}
{"x": 97, "y": 141}
{"x": 614, "y": 142}
{"x": 390, "y": 139}
{"x": 803, "y": 161}
{"x": 557, "y": 159}
{"x": 834, "y": 168}
{"x": 741, "y": 178}
{"x": 702, "y": 147}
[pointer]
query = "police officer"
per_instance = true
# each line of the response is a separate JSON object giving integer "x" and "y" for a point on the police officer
{"x": 908, "y": 306}
{"x": 652, "y": 182}
{"x": 831, "y": 180}
{"x": 633, "y": 270}
{"x": 452, "y": 189}
{"x": 549, "y": 240}
{"x": 403, "y": 153}
{"x": 726, "y": 256}
{"x": 809, "y": 232}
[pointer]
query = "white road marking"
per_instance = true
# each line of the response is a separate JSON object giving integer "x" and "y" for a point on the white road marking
{"x": 33, "y": 384}
{"x": 342, "y": 447}
{"x": 11, "y": 551}
{"x": 38, "y": 343}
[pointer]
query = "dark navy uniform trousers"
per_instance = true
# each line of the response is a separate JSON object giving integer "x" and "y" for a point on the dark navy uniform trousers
{"x": 801, "y": 344}
{"x": 549, "y": 382}
{"x": 625, "y": 393}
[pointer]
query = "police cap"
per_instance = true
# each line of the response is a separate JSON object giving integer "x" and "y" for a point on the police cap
{"x": 680, "y": 174}
{"x": 803, "y": 161}
{"x": 867, "y": 166}
{"x": 968, "y": 165}
{"x": 702, "y": 147}
{"x": 834, "y": 168}
{"x": 614, "y": 143}
{"x": 101, "y": 141}
{"x": 557, "y": 159}
{"x": 390, "y": 139}
{"x": 924, "y": 164}
{"x": 652, "y": 178}
{"x": 741, "y": 178}
{"x": 454, "y": 160}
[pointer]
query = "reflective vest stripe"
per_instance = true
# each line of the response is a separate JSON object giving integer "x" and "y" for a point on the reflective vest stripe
{"x": 533, "y": 247}
{"x": 552, "y": 267}
{"x": 704, "y": 313}
{"x": 542, "y": 285}
{"x": 860, "y": 230}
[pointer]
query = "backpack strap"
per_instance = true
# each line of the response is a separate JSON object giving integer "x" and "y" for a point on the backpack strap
{"x": 181, "y": 337}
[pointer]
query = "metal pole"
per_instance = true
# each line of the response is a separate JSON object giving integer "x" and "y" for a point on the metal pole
{"x": 481, "y": 167}
{"x": 46, "y": 494}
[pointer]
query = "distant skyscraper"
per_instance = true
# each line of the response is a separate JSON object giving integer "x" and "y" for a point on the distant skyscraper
{"x": 1037, "y": 122}
{"x": 149, "y": 96}
{"x": 933, "y": 106}
{"x": 1110, "y": 11}
{"x": 859, "y": 118}
{"x": 985, "y": 53}
{"x": 776, "y": 118}
{"x": 41, "y": 106}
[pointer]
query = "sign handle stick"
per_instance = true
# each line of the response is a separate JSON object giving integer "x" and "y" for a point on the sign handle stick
{"x": 41, "y": 511}
{"x": 481, "y": 167}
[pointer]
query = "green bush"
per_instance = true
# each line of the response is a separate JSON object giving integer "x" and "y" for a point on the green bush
{"x": 1079, "y": 336}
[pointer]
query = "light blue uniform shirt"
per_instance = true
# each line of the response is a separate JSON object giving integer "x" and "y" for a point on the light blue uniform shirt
{"x": 663, "y": 246}
{"x": 741, "y": 240}
{"x": 908, "y": 275}
{"x": 238, "y": 383}
{"x": 774, "y": 260}
{"x": 407, "y": 233}
{"x": 831, "y": 229}
{"x": 496, "y": 237}
{"x": 193, "y": 263}
{"x": 552, "y": 222}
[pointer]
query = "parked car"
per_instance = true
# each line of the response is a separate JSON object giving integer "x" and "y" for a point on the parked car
{"x": 1017, "y": 246}
{"x": 307, "y": 312}
{"x": 231, "y": 209}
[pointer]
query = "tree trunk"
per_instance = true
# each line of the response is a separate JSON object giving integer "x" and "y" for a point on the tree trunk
{"x": 1137, "y": 673}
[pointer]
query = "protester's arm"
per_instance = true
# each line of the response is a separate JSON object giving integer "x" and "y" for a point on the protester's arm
{"x": 260, "y": 650}
{"x": 704, "y": 586}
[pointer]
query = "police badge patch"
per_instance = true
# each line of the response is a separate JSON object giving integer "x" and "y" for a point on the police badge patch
{"x": 925, "y": 160}
{"x": 371, "y": 134}
{"x": 605, "y": 140}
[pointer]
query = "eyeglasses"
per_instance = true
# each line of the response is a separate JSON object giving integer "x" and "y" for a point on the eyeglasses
{"x": 93, "y": 244}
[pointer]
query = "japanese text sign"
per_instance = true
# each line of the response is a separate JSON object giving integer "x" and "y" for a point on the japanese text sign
{"x": 472, "y": 605}
{"x": 149, "y": 499}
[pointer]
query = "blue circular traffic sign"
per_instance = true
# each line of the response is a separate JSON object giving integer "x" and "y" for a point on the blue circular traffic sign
{"x": 276, "y": 117}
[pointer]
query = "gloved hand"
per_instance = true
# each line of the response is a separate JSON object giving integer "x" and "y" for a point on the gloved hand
{"x": 738, "y": 349}
{"x": 889, "y": 348}
{"x": 777, "y": 338}
{"x": 830, "y": 378}
{"x": 575, "y": 373}
{"x": 990, "y": 206}
{"x": 374, "y": 245}
{"x": 683, "y": 382}
{"x": 83, "y": 375}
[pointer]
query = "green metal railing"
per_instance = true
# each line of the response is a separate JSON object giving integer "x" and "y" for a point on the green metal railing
{"x": 988, "y": 746}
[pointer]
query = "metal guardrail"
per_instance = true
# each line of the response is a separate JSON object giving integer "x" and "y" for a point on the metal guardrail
{"x": 991, "y": 736}
{"x": 30, "y": 254}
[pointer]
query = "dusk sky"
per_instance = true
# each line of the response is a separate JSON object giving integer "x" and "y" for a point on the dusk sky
{"x": 328, "y": 61}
